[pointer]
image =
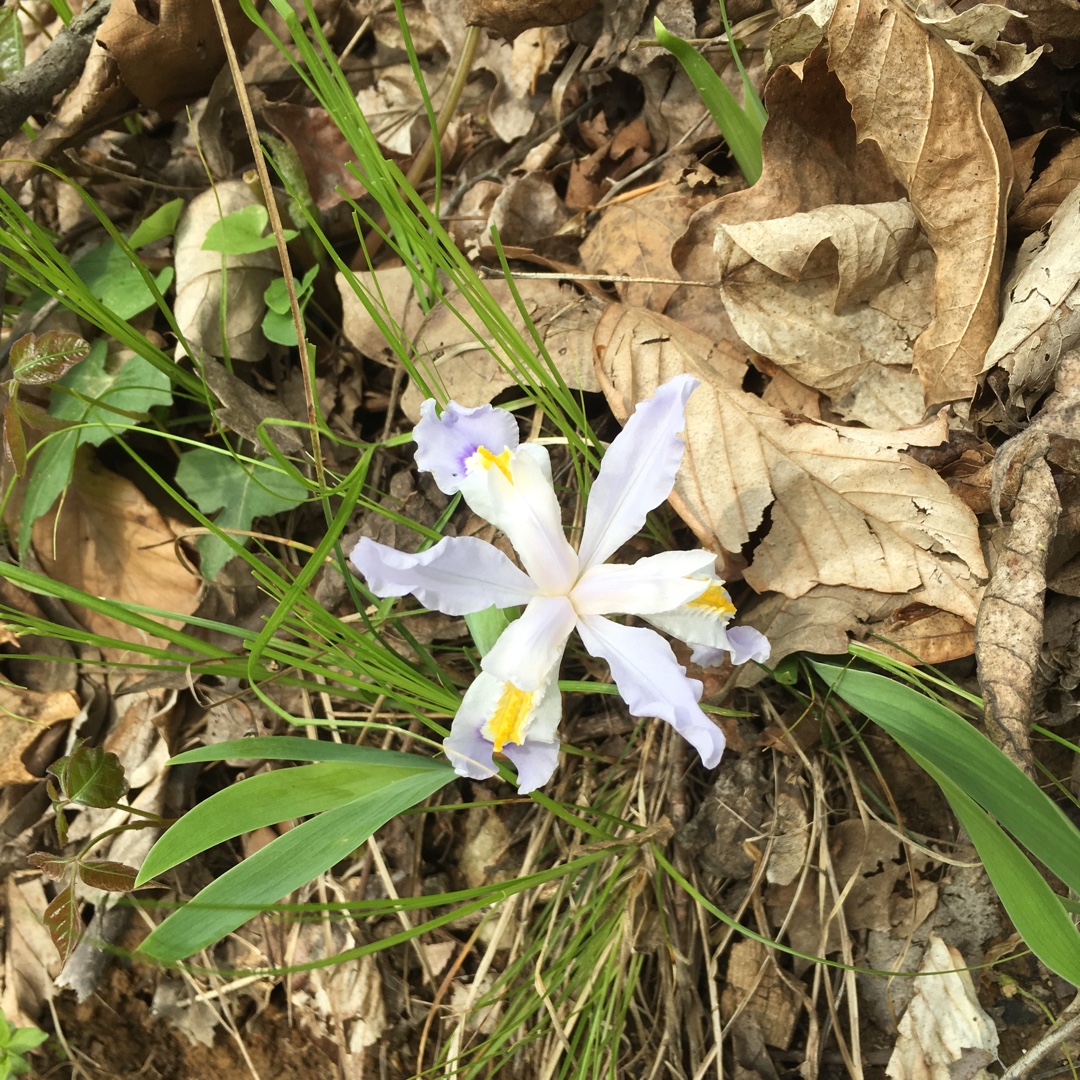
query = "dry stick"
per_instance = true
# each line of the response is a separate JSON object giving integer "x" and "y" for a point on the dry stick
{"x": 279, "y": 236}
{"x": 1051, "y": 1041}
{"x": 426, "y": 154}
{"x": 53, "y": 71}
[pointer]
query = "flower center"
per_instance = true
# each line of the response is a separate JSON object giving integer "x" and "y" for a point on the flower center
{"x": 714, "y": 600}
{"x": 501, "y": 460}
{"x": 507, "y": 724}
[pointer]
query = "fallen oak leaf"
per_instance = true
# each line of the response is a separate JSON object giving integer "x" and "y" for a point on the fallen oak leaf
{"x": 944, "y": 141}
{"x": 846, "y": 506}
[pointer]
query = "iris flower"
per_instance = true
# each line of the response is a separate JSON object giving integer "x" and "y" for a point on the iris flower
{"x": 514, "y": 705}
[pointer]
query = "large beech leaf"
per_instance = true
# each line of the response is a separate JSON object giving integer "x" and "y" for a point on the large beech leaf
{"x": 847, "y": 506}
{"x": 943, "y": 140}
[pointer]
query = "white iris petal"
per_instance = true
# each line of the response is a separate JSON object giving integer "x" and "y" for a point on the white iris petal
{"x": 514, "y": 706}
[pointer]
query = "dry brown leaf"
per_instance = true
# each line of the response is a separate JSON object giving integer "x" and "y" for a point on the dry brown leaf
{"x": 634, "y": 239}
{"x": 1045, "y": 192}
{"x": 846, "y": 506}
{"x": 24, "y": 716}
{"x": 322, "y": 149}
{"x": 945, "y": 1032}
{"x": 755, "y": 988}
{"x": 1055, "y": 23}
{"x": 513, "y": 17}
{"x": 458, "y": 358}
{"x": 944, "y": 141}
{"x": 935, "y": 637}
{"x": 111, "y": 542}
{"x": 832, "y": 296}
{"x": 169, "y": 52}
{"x": 200, "y": 276}
{"x": 1042, "y": 314}
{"x": 392, "y": 293}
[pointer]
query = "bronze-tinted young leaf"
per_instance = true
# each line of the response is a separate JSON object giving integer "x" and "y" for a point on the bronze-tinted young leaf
{"x": 36, "y": 417}
{"x": 14, "y": 437}
{"x": 63, "y": 922}
{"x": 92, "y": 777}
{"x": 39, "y": 360}
{"x": 56, "y": 867}
{"x": 108, "y": 876}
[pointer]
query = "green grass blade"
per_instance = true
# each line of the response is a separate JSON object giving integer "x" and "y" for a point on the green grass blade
{"x": 741, "y": 129}
{"x": 299, "y": 748}
{"x": 290, "y": 861}
{"x": 969, "y": 759}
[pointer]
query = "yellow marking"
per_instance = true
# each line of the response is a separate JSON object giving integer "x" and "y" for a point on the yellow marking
{"x": 511, "y": 714}
{"x": 715, "y": 601}
{"x": 502, "y": 460}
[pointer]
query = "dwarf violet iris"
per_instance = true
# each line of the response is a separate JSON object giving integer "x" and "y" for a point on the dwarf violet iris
{"x": 514, "y": 705}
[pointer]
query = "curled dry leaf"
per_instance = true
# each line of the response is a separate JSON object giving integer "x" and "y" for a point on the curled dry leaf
{"x": 169, "y": 52}
{"x": 24, "y": 716}
{"x": 945, "y": 1031}
{"x": 106, "y": 539}
{"x": 1042, "y": 315}
{"x": 1047, "y": 189}
{"x": 201, "y": 275}
{"x": 513, "y": 17}
{"x": 846, "y": 506}
{"x": 832, "y": 296}
{"x": 944, "y": 141}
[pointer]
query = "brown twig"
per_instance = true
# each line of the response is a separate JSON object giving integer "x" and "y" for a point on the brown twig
{"x": 55, "y": 70}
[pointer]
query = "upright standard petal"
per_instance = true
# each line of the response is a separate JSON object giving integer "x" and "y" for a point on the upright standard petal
{"x": 458, "y": 576}
{"x": 638, "y": 471}
{"x": 445, "y": 443}
{"x": 652, "y": 682}
{"x": 531, "y": 646}
{"x": 497, "y": 717}
{"x": 656, "y": 583}
{"x": 513, "y": 492}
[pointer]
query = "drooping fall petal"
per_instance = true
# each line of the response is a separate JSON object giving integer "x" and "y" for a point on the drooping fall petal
{"x": 652, "y": 682}
{"x": 458, "y": 576}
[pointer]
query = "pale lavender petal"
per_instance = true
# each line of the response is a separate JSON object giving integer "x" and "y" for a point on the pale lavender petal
{"x": 535, "y": 762}
{"x": 524, "y": 505}
{"x": 445, "y": 443}
{"x": 638, "y": 471}
{"x": 706, "y": 655}
{"x": 746, "y": 643}
{"x": 656, "y": 583}
{"x": 652, "y": 682}
{"x": 530, "y": 647}
{"x": 459, "y": 575}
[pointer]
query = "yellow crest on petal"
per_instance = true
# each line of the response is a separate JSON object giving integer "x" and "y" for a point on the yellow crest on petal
{"x": 511, "y": 716}
{"x": 502, "y": 461}
{"x": 715, "y": 601}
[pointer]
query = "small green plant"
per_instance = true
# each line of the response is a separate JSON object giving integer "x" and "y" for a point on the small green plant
{"x": 14, "y": 1042}
{"x": 741, "y": 125}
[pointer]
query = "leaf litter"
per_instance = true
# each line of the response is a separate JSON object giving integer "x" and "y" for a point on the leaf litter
{"x": 869, "y": 322}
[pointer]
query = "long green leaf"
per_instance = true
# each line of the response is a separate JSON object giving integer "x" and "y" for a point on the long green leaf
{"x": 290, "y": 861}
{"x": 266, "y": 799}
{"x": 969, "y": 759}
{"x": 741, "y": 129}
{"x": 299, "y": 748}
{"x": 1036, "y": 911}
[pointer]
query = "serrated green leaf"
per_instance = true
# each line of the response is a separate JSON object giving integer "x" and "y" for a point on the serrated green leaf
{"x": 287, "y": 863}
{"x": 108, "y": 273}
{"x": 969, "y": 759}
{"x": 12, "y": 55}
{"x": 158, "y": 225}
{"x": 133, "y": 385}
{"x": 241, "y": 232}
{"x": 241, "y": 491}
{"x": 91, "y": 776}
